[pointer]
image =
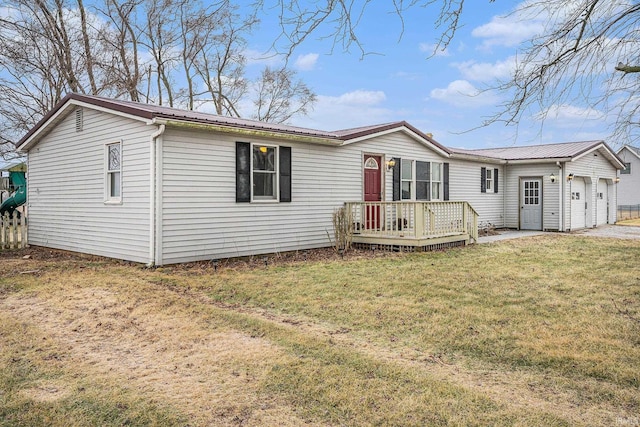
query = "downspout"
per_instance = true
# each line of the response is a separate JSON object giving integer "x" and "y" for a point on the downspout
{"x": 561, "y": 178}
{"x": 153, "y": 194}
{"x": 504, "y": 195}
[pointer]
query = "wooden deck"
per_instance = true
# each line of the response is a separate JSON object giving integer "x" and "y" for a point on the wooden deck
{"x": 413, "y": 225}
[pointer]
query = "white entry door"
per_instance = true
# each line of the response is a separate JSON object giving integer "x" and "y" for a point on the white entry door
{"x": 578, "y": 204}
{"x": 602, "y": 200}
{"x": 531, "y": 204}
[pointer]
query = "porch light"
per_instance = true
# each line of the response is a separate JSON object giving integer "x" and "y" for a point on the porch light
{"x": 391, "y": 164}
{"x": 263, "y": 149}
{"x": 552, "y": 178}
{"x": 570, "y": 177}
{"x": 617, "y": 180}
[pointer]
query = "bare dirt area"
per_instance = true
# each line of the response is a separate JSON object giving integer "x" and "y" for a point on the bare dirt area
{"x": 155, "y": 343}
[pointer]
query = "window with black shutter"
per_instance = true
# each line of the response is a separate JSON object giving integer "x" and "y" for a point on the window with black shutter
{"x": 263, "y": 172}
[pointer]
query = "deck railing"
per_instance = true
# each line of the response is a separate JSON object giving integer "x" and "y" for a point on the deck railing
{"x": 414, "y": 219}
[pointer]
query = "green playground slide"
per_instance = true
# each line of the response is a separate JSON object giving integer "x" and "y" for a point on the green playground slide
{"x": 19, "y": 197}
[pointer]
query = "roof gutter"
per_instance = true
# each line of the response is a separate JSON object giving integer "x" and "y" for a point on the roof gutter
{"x": 251, "y": 132}
{"x": 154, "y": 169}
{"x": 529, "y": 161}
{"x": 477, "y": 158}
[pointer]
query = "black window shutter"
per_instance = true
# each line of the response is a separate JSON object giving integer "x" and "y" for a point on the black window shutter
{"x": 285, "y": 174}
{"x": 396, "y": 178}
{"x": 495, "y": 180}
{"x": 445, "y": 181}
{"x": 243, "y": 172}
{"x": 483, "y": 180}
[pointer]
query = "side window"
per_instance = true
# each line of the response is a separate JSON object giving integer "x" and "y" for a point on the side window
{"x": 436, "y": 181}
{"x": 406, "y": 172}
{"x": 417, "y": 180}
{"x": 488, "y": 180}
{"x": 264, "y": 169}
{"x": 113, "y": 176}
{"x": 627, "y": 169}
{"x": 263, "y": 172}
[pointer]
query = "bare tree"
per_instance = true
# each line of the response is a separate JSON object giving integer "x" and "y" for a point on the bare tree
{"x": 589, "y": 51}
{"x": 220, "y": 61}
{"x": 123, "y": 68}
{"x": 300, "y": 19}
{"x": 574, "y": 61}
{"x": 184, "y": 53}
{"x": 280, "y": 96}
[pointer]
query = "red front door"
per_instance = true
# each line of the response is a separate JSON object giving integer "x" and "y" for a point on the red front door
{"x": 372, "y": 190}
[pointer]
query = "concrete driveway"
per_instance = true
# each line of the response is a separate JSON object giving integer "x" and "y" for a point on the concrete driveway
{"x": 614, "y": 231}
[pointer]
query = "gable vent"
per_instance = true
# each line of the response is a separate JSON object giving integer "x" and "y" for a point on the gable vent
{"x": 79, "y": 121}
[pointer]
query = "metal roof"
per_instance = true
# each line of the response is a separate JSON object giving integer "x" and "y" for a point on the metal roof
{"x": 153, "y": 113}
{"x": 530, "y": 152}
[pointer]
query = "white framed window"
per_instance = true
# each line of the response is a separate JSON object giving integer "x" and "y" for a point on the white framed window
{"x": 264, "y": 172}
{"x": 406, "y": 180}
{"x": 113, "y": 174}
{"x": 421, "y": 180}
{"x": 436, "y": 181}
{"x": 489, "y": 179}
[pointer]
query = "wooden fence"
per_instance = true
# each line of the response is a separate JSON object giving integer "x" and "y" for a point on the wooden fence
{"x": 13, "y": 231}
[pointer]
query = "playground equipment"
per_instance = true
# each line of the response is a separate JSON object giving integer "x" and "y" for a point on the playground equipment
{"x": 19, "y": 196}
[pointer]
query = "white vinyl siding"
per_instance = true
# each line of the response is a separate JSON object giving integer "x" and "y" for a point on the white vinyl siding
{"x": 550, "y": 193}
{"x": 628, "y": 189}
{"x": 593, "y": 167}
{"x": 464, "y": 185}
{"x": 66, "y": 190}
{"x": 201, "y": 220}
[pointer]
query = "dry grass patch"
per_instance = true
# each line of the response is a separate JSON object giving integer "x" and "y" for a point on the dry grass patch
{"x": 537, "y": 331}
{"x": 631, "y": 222}
{"x": 163, "y": 347}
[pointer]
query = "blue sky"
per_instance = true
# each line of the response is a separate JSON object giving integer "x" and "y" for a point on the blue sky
{"x": 400, "y": 83}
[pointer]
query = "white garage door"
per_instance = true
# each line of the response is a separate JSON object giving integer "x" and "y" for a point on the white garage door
{"x": 578, "y": 204}
{"x": 602, "y": 199}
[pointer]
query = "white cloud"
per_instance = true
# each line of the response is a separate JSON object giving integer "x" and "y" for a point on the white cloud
{"x": 566, "y": 115}
{"x": 508, "y": 30}
{"x": 430, "y": 48}
{"x": 307, "y": 62}
{"x": 484, "y": 71}
{"x": 351, "y": 109}
{"x": 461, "y": 93}
{"x": 359, "y": 98}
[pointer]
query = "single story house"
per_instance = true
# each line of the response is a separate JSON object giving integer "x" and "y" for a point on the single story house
{"x": 629, "y": 186}
{"x": 159, "y": 185}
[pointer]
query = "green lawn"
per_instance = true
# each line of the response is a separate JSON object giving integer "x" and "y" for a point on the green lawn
{"x": 535, "y": 331}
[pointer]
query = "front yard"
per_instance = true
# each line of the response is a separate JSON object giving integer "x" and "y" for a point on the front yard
{"x": 535, "y": 331}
